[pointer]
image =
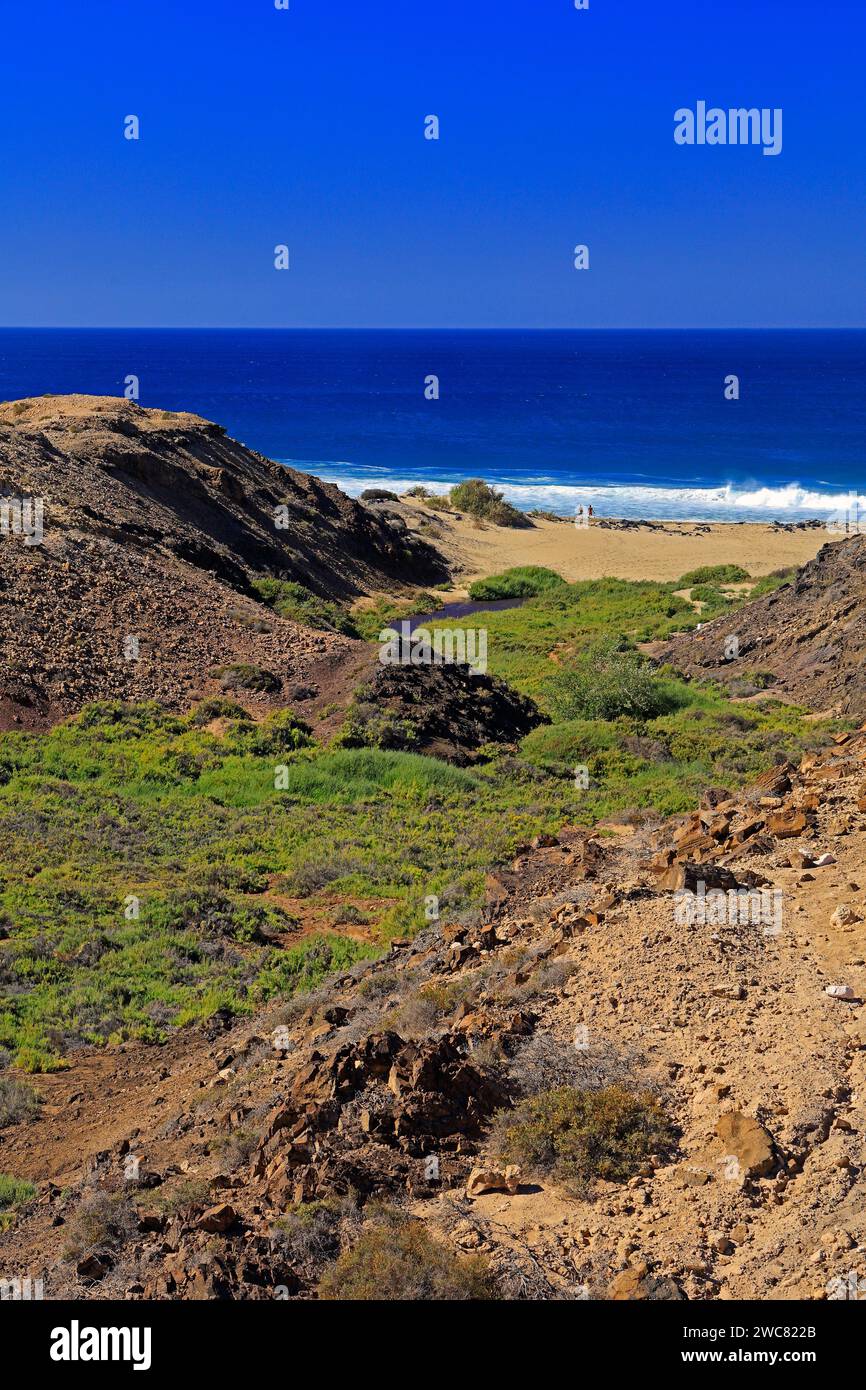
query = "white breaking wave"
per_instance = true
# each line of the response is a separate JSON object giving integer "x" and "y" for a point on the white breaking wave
{"x": 789, "y": 502}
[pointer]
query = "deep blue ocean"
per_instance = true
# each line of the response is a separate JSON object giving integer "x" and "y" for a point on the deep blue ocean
{"x": 634, "y": 422}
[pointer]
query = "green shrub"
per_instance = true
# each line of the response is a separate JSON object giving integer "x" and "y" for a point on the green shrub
{"x": 399, "y": 1261}
{"x": 769, "y": 583}
{"x": 281, "y": 731}
{"x": 378, "y": 494}
{"x": 387, "y": 613}
{"x": 606, "y": 684}
{"x": 524, "y": 581}
{"x": 14, "y": 1193}
{"x": 18, "y": 1101}
{"x": 292, "y": 600}
{"x": 369, "y": 726}
{"x": 212, "y": 913}
{"x": 710, "y": 596}
{"x": 577, "y": 1136}
{"x": 713, "y": 574}
{"x": 481, "y": 500}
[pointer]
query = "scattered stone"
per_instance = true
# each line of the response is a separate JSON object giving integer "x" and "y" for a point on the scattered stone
{"x": 217, "y": 1219}
{"x": 747, "y": 1141}
{"x": 845, "y": 916}
{"x": 493, "y": 1180}
{"x": 94, "y": 1266}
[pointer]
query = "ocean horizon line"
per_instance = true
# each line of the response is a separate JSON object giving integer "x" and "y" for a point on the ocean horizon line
{"x": 429, "y": 328}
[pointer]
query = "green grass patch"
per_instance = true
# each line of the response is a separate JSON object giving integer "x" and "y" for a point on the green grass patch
{"x": 292, "y": 600}
{"x": 14, "y": 1194}
{"x": 524, "y": 581}
{"x": 713, "y": 574}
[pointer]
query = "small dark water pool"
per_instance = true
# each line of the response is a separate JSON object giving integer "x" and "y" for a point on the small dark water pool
{"x": 462, "y": 610}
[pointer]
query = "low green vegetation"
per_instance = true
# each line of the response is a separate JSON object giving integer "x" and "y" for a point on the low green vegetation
{"x": 476, "y": 498}
{"x": 384, "y": 613}
{"x": 482, "y": 501}
{"x": 610, "y": 682}
{"x": 151, "y": 871}
{"x": 524, "y": 581}
{"x": 579, "y": 1136}
{"x": 712, "y": 600}
{"x": 526, "y": 643}
{"x": 771, "y": 582}
{"x": 156, "y": 869}
{"x": 292, "y": 600}
{"x": 714, "y": 574}
{"x": 14, "y": 1194}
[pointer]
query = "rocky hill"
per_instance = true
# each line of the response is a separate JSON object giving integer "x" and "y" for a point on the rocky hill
{"x": 285, "y": 1155}
{"x": 807, "y": 639}
{"x": 154, "y": 527}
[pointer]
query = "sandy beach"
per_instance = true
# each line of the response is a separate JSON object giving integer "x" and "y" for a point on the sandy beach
{"x": 657, "y": 550}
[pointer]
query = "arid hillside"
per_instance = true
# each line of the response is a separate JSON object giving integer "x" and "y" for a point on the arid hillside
{"x": 242, "y": 1161}
{"x": 154, "y": 526}
{"x": 806, "y": 641}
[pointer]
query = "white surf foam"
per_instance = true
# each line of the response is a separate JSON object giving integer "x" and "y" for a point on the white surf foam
{"x": 788, "y": 502}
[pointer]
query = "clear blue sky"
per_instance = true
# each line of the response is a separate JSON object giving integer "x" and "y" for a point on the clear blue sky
{"x": 261, "y": 126}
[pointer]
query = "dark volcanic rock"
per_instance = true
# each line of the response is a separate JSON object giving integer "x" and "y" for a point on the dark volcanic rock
{"x": 450, "y": 709}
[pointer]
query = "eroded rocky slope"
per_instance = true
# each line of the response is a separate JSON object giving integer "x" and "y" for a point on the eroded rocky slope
{"x": 808, "y": 637}
{"x": 154, "y": 527}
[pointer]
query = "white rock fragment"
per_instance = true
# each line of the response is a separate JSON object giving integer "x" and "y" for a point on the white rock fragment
{"x": 844, "y": 916}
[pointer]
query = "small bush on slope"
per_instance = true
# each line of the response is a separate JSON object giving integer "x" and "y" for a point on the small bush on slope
{"x": 296, "y": 601}
{"x": 101, "y": 1219}
{"x": 14, "y": 1193}
{"x": 17, "y": 1101}
{"x": 397, "y": 1260}
{"x": 577, "y": 1136}
{"x": 481, "y": 500}
{"x": 608, "y": 684}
